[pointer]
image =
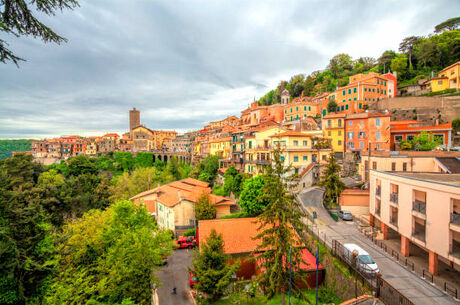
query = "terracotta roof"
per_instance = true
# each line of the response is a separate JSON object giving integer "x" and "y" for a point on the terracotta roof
{"x": 237, "y": 233}
{"x": 334, "y": 115}
{"x": 220, "y": 200}
{"x": 111, "y": 135}
{"x": 366, "y": 115}
{"x": 308, "y": 261}
{"x": 307, "y": 169}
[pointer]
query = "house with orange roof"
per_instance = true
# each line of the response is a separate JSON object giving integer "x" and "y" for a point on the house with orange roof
{"x": 300, "y": 108}
{"x": 239, "y": 239}
{"x": 407, "y": 130}
{"x": 173, "y": 204}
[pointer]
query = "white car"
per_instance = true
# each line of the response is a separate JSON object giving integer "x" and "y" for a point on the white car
{"x": 364, "y": 261}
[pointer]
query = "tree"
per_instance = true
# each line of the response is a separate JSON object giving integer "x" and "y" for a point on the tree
{"x": 385, "y": 60}
{"x": 340, "y": 65}
{"x": 422, "y": 142}
{"x": 278, "y": 224}
{"x": 449, "y": 25}
{"x": 173, "y": 168}
{"x": 399, "y": 64}
{"x": 407, "y": 46}
{"x": 330, "y": 180}
{"x": 204, "y": 209}
{"x": 18, "y": 19}
{"x": 232, "y": 181}
{"x": 331, "y": 106}
{"x": 251, "y": 201}
{"x": 108, "y": 257}
{"x": 211, "y": 267}
{"x": 456, "y": 125}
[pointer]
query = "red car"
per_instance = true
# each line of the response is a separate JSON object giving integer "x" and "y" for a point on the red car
{"x": 192, "y": 280}
{"x": 186, "y": 242}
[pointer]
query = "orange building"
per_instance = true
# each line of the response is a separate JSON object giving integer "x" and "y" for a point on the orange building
{"x": 407, "y": 130}
{"x": 300, "y": 107}
{"x": 362, "y": 90}
{"x": 364, "y": 131}
{"x": 256, "y": 114}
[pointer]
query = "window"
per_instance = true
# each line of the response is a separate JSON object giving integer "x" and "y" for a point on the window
{"x": 339, "y": 142}
{"x": 349, "y": 99}
{"x": 377, "y": 122}
{"x": 354, "y": 90}
{"x": 410, "y": 137}
{"x": 398, "y": 138}
{"x": 341, "y": 108}
{"x": 340, "y": 132}
{"x": 305, "y": 158}
{"x": 405, "y": 167}
{"x": 339, "y": 121}
{"x": 296, "y": 108}
{"x": 296, "y": 158}
{"x": 250, "y": 144}
{"x": 350, "y": 123}
{"x": 365, "y": 89}
{"x": 305, "y": 108}
{"x": 377, "y": 90}
{"x": 344, "y": 101}
{"x": 393, "y": 166}
{"x": 361, "y": 135}
{"x": 296, "y": 143}
{"x": 328, "y": 133}
{"x": 282, "y": 158}
{"x": 373, "y": 89}
{"x": 343, "y": 92}
{"x": 346, "y": 106}
{"x": 439, "y": 82}
{"x": 350, "y": 135}
{"x": 377, "y": 81}
{"x": 385, "y": 92}
{"x": 323, "y": 157}
{"x": 377, "y": 135}
{"x": 374, "y": 165}
{"x": 350, "y": 145}
{"x": 349, "y": 91}
{"x": 305, "y": 143}
{"x": 329, "y": 123}
{"x": 291, "y": 109}
{"x": 360, "y": 105}
{"x": 285, "y": 111}
{"x": 377, "y": 146}
{"x": 309, "y": 108}
{"x": 361, "y": 145}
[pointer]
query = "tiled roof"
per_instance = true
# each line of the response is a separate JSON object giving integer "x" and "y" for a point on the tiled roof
{"x": 451, "y": 163}
{"x": 334, "y": 115}
{"x": 308, "y": 261}
{"x": 289, "y": 133}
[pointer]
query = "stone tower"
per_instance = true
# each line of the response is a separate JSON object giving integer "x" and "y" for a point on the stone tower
{"x": 285, "y": 97}
{"x": 134, "y": 119}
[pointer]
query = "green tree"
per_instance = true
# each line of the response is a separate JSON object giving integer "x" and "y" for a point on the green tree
{"x": 278, "y": 224}
{"x": 143, "y": 159}
{"x": 385, "y": 60}
{"x": 7, "y": 147}
{"x": 399, "y": 64}
{"x": 232, "y": 181}
{"x": 407, "y": 46}
{"x": 207, "y": 169}
{"x": 330, "y": 180}
{"x": 173, "y": 168}
{"x": 449, "y": 25}
{"x": 331, "y": 106}
{"x": 456, "y": 125}
{"x": 251, "y": 201}
{"x": 204, "y": 209}
{"x": 108, "y": 256}
{"x": 340, "y": 65}
{"x": 211, "y": 267}
{"x": 19, "y": 19}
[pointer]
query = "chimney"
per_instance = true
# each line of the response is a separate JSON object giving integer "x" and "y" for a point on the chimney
{"x": 436, "y": 122}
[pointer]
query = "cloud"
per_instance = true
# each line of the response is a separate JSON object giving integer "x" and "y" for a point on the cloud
{"x": 185, "y": 63}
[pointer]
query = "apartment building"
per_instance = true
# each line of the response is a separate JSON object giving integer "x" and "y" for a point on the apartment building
{"x": 419, "y": 209}
{"x": 409, "y": 129}
{"x": 333, "y": 126}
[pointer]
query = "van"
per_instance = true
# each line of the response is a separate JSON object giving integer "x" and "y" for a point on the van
{"x": 364, "y": 262}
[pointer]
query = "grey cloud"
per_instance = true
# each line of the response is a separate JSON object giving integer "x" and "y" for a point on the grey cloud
{"x": 183, "y": 63}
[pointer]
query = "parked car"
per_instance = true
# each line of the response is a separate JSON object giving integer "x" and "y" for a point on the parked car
{"x": 364, "y": 262}
{"x": 192, "y": 280}
{"x": 345, "y": 215}
{"x": 186, "y": 242}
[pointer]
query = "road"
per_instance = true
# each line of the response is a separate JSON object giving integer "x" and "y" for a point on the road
{"x": 410, "y": 284}
{"x": 175, "y": 274}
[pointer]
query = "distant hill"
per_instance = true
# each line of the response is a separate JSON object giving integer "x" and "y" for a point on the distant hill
{"x": 8, "y": 146}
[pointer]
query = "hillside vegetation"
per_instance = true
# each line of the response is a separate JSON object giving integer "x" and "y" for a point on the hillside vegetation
{"x": 8, "y": 146}
{"x": 416, "y": 58}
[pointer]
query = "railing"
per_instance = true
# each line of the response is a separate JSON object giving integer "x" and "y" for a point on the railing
{"x": 394, "y": 197}
{"x": 378, "y": 191}
{"x": 262, "y": 162}
{"x": 419, "y": 206}
{"x": 455, "y": 218}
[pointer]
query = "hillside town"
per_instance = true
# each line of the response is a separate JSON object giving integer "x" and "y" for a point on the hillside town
{"x": 336, "y": 186}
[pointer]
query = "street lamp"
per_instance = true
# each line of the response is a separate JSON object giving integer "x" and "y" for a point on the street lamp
{"x": 247, "y": 288}
{"x": 233, "y": 281}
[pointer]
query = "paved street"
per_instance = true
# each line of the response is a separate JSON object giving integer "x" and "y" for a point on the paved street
{"x": 175, "y": 274}
{"x": 417, "y": 289}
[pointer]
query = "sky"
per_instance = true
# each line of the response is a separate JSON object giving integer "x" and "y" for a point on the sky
{"x": 184, "y": 63}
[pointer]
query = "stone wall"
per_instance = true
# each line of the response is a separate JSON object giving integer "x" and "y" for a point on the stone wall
{"x": 421, "y": 108}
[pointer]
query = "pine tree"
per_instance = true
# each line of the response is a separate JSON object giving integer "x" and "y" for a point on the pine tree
{"x": 276, "y": 224}
{"x": 330, "y": 180}
{"x": 211, "y": 267}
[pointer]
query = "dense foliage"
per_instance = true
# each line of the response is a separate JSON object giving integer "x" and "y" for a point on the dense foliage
{"x": 421, "y": 142}
{"x": 278, "y": 224}
{"x": 204, "y": 209}
{"x": 330, "y": 180}
{"x": 207, "y": 169}
{"x": 211, "y": 267}
{"x": 108, "y": 256}
{"x": 418, "y": 57}
{"x": 251, "y": 201}
{"x": 8, "y": 146}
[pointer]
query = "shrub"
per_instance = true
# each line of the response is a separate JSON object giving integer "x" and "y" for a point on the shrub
{"x": 235, "y": 215}
{"x": 191, "y": 232}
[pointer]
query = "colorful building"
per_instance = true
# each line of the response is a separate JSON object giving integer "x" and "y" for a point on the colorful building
{"x": 407, "y": 130}
{"x": 301, "y": 107}
{"x": 221, "y": 147}
{"x": 333, "y": 126}
{"x": 452, "y": 73}
{"x": 367, "y": 131}
{"x": 437, "y": 84}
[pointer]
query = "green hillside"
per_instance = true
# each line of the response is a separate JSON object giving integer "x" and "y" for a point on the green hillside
{"x": 416, "y": 58}
{"x": 8, "y": 146}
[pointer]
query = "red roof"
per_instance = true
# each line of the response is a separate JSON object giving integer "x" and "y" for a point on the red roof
{"x": 308, "y": 261}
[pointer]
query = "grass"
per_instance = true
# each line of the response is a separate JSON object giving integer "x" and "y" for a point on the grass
{"x": 240, "y": 299}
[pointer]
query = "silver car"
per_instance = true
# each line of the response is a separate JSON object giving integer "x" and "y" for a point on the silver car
{"x": 345, "y": 215}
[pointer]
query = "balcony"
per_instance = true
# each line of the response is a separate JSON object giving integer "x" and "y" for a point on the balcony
{"x": 455, "y": 248}
{"x": 378, "y": 190}
{"x": 262, "y": 162}
{"x": 420, "y": 235}
{"x": 419, "y": 206}
{"x": 455, "y": 218}
{"x": 394, "y": 198}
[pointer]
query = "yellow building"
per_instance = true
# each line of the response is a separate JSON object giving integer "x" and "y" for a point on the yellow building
{"x": 258, "y": 147}
{"x": 452, "y": 73}
{"x": 91, "y": 149}
{"x": 221, "y": 147}
{"x": 298, "y": 148}
{"x": 333, "y": 126}
{"x": 438, "y": 84}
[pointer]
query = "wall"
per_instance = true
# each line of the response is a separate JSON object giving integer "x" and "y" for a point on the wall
{"x": 184, "y": 212}
{"x": 426, "y": 108}
{"x": 222, "y": 210}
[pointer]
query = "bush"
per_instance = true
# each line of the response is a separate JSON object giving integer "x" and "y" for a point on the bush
{"x": 334, "y": 216}
{"x": 191, "y": 232}
{"x": 235, "y": 215}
